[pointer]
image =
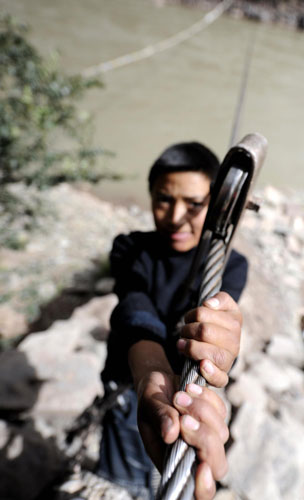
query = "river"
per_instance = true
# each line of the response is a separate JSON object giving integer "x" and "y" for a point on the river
{"x": 189, "y": 92}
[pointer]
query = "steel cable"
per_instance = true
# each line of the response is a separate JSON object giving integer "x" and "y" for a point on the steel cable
{"x": 177, "y": 481}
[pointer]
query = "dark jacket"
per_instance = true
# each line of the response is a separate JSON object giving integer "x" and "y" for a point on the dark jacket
{"x": 150, "y": 279}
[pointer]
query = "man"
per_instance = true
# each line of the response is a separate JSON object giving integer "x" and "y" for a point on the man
{"x": 145, "y": 347}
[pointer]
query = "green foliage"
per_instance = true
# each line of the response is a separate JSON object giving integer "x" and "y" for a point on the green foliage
{"x": 44, "y": 138}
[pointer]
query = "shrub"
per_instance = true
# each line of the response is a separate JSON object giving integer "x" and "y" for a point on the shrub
{"x": 44, "y": 137}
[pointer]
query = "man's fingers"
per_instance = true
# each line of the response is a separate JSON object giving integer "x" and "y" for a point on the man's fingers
{"x": 203, "y": 427}
{"x": 208, "y": 444}
{"x": 203, "y": 408}
{"x": 213, "y": 375}
{"x": 163, "y": 418}
{"x": 219, "y": 358}
{"x": 167, "y": 428}
{"x": 225, "y": 319}
{"x": 212, "y": 333}
{"x": 209, "y": 396}
{"x": 221, "y": 302}
{"x": 204, "y": 483}
{"x": 156, "y": 409}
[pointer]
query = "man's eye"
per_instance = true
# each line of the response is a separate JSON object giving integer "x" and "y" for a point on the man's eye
{"x": 198, "y": 205}
{"x": 162, "y": 198}
{"x": 195, "y": 205}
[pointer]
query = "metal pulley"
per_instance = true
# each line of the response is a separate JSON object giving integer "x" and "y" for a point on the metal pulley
{"x": 229, "y": 198}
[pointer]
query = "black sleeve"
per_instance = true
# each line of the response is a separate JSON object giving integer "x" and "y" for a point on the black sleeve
{"x": 129, "y": 274}
{"x": 235, "y": 275}
{"x": 135, "y": 316}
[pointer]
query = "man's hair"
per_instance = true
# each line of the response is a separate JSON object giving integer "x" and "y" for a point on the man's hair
{"x": 182, "y": 157}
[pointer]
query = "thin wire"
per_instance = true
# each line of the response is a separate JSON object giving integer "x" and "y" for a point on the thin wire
{"x": 166, "y": 44}
{"x": 242, "y": 91}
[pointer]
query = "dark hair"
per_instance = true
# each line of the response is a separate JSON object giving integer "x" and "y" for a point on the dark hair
{"x": 185, "y": 156}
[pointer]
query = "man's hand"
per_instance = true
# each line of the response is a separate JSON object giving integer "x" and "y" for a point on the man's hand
{"x": 197, "y": 414}
{"x": 158, "y": 420}
{"x": 211, "y": 336}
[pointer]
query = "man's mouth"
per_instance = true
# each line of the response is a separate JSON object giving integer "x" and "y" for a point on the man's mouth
{"x": 179, "y": 235}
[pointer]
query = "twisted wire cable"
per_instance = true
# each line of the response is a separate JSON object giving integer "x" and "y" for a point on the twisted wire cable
{"x": 177, "y": 481}
{"x": 240, "y": 168}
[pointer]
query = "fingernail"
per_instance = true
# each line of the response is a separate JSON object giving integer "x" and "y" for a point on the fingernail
{"x": 207, "y": 477}
{"x": 166, "y": 424}
{"x": 191, "y": 423}
{"x": 182, "y": 399}
{"x": 213, "y": 302}
{"x": 196, "y": 389}
{"x": 181, "y": 343}
{"x": 208, "y": 367}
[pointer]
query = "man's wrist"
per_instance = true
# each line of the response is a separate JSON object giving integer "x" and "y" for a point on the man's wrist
{"x": 146, "y": 357}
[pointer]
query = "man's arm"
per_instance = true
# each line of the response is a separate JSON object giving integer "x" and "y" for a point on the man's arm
{"x": 211, "y": 335}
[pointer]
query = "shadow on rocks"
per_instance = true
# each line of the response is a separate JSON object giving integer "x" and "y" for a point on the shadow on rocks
{"x": 29, "y": 456}
{"x": 85, "y": 285}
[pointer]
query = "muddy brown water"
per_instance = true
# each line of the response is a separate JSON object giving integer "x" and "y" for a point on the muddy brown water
{"x": 189, "y": 92}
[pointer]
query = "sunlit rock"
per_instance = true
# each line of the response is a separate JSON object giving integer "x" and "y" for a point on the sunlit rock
{"x": 12, "y": 323}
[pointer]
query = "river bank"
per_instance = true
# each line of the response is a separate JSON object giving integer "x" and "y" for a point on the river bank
{"x": 52, "y": 375}
{"x": 68, "y": 251}
{"x": 287, "y": 13}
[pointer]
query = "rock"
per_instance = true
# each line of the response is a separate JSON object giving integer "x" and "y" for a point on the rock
{"x": 298, "y": 227}
{"x": 28, "y": 462}
{"x": 91, "y": 487}
{"x": 55, "y": 373}
{"x": 100, "y": 309}
{"x": 12, "y": 323}
{"x": 291, "y": 406}
{"x": 60, "y": 339}
{"x": 46, "y": 291}
{"x": 294, "y": 245}
{"x": 104, "y": 286}
{"x": 19, "y": 383}
{"x": 225, "y": 494}
{"x": 273, "y": 196}
{"x": 300, "y": 22}
{"x": 259, "y": 461}
{"x": 72, "y": 387}
{"x": 282, "y": 226}
{"x": 68, "y": 360}
{"x": 288, "y": 349}
{"x": 80, "y": 237}
{"x": 247, "y": 388}
{"x": 274, "y": 376}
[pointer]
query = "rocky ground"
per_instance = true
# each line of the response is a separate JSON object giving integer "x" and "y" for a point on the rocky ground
{"x": 54, "y": 319}
{"x": 285, "y": 12}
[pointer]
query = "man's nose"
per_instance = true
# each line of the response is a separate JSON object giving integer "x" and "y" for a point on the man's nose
{"x": 177, "y": 213}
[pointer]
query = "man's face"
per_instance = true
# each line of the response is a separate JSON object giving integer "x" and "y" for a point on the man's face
{"x": 179, "y": 205}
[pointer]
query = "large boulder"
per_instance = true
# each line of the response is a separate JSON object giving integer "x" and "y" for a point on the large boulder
{"x": 266, "y": 460}
{"x": 19, "y": 383}
{"x": 29, "y": 461}
{"x": 68, "y": 358}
